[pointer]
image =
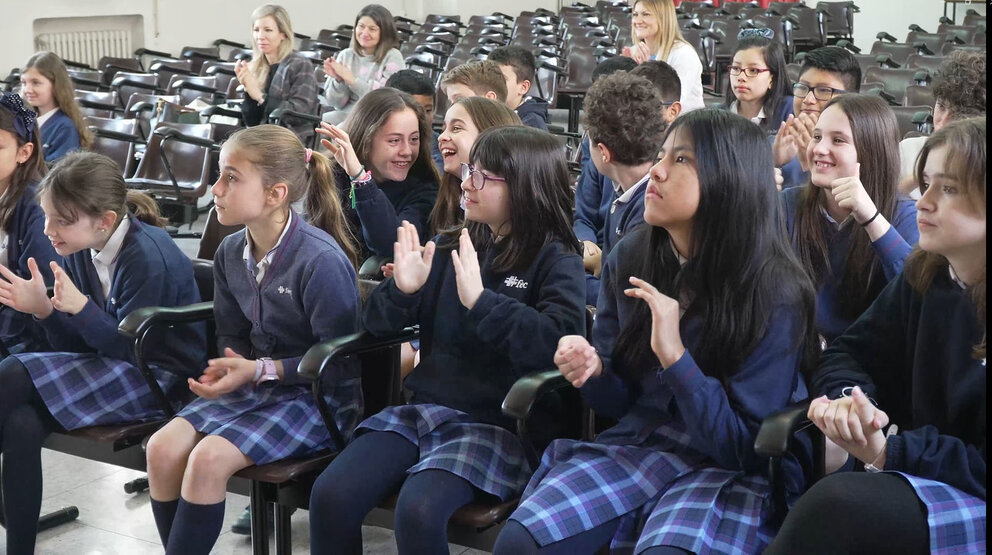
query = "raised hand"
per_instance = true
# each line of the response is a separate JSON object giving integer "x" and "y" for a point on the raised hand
{"x": 853, "y": 423}
{"x": 411, "y": 264}
{"x": 67, "y": 297}
{"x": 785, "y": 147}
{"x": 342, "y": 72}
{"x": 577, "y": 360}
{"x": 329, "y": 63}
{"x": 223, "y": 375}
{"x": 247, "y": 79}
{"x": 640, "y": 52}
{"x": 666, "y": 340}
{"x": 339, "y": 143}
{"x": 802, "y": 129}
{"x": 468, "y": 276}
{"x": 25, "y": 295}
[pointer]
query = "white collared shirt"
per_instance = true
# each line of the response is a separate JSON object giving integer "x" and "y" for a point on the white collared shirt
{"x": 955, "y": 278}
{"x": 756, "y": 119}
{"x": 625, "y": 196}
{"x": 263, "y": 265}
{"x": 42, "y": 119}
{"x": 105, "y": 260}
{"x": 3, "y": 238}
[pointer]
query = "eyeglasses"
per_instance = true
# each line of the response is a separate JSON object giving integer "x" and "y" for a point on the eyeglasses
{"x": 820, "y": 93}
{"x": 749, "y": 71}
{"x": 478, "y": 178}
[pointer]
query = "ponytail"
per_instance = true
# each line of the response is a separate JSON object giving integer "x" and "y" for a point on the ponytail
{"x": 322, "y": 205}
{"x": 145, "y": 209}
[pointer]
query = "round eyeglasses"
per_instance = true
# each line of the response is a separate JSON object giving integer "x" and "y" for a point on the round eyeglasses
{"x": 478, "y": 178}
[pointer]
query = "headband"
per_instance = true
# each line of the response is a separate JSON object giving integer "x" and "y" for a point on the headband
{"x": 752, "y": 32}
{"x": 24, "y": 119}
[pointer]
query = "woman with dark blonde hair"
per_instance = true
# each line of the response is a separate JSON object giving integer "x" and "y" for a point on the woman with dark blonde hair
{"x": 276, "y": 77}
{"x": 915, "y": 362}
{"x": 849, "y": 226}
{"x": 365, "y": 65}
{"x": 656, "y": 36}
{"x": 46, "y": 86}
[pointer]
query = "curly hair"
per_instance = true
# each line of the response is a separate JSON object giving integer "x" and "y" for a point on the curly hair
{"x": 960, "y": 84}
{"x": 623, "y": 112}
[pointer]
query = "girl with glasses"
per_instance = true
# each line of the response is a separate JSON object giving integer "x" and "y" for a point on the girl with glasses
{"x": 759, "y": 87}
{"x": 492, "y": 297}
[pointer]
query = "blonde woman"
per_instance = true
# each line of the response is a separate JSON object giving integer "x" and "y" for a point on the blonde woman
{"x": 656, "y": 36}
{"x": 276, "y": 77}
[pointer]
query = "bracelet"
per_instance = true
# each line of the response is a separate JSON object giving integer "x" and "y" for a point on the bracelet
{"x": 872, "y": 219}
{"x": 870, "y": 467}
{"x": 258, "y": 370}
{"x": 357, "y": 176}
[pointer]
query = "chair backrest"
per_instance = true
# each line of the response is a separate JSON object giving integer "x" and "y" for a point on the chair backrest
{"x": 951, "y": 47}
{"x": 109, "y": 66}
{"x": 183, "y": 85}
{"x": 127, "y": 83}
{"x": 119, "y": 150}
{"x": 897, "y": 51}
{"x": 840, "y": 18}
{"x": 929, "y": 63}
{"x": 964, "y": 32}
{"x": 199, "y": 55}
{"x": 910, "y": 120}
{"x": 166, "y": 69}
{"x": 213, "y": 233}
{"x": 581, "y": 64}
{"x": 190, "y": 163}
{"x": 919, "y": 95}
{"x": 933, "y": 41}
{"x": 142, "y": 106}
{"x": 894, "y": 81}
{"x": 809, "y": 31}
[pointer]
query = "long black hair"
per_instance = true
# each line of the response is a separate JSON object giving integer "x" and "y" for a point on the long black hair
{"x": 773, "y": 54}
{"x": 740, "y": 267}
{"x": 536, "y": 173}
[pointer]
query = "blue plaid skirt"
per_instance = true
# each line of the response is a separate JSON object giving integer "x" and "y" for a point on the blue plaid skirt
{"x": 489, "y": 457}
{"x": 956, "y": 519}
{"x": 663, "y": 498}
{"x": 82, "y": 389}
{"x": 275, "y": 421}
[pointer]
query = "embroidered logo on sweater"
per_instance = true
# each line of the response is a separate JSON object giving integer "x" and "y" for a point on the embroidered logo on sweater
{"x": 284, "y": 290}
{"x": 514, "y": 281}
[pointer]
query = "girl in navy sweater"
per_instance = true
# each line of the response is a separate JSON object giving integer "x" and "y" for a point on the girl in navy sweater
{"x": 383, "y": 168}
{"x": 765, "y": 97}
{"x": 487, "y": 317}
{"x": 915, "y": 361}
{"x": 731, "y": 330}
{"x": 22, "y": 223}
{"x": 115, "y": 260}
{"x": 47, "y": 87}
{"x": 849, "y": 226}
{"x": 280, "y": 286}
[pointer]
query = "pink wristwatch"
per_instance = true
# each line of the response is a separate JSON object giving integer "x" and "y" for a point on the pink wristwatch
{"x": 266, "y": 371}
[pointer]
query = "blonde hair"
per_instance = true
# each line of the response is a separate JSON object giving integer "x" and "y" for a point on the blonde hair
{"x": 259, "y": 65}
{"x": 51, "y": 67}
{"x": 668, "y": 25}
{"x": 281, "y": 158}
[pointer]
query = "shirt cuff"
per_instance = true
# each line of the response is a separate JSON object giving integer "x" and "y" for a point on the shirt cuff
{"x": 895, "y": 453}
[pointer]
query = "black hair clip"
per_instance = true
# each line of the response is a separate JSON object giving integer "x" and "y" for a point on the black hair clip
{"x": 24, "y": 119}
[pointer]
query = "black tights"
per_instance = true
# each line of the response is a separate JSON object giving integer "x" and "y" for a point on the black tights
{"x": 515, "y": 539}
{"x": 24, "y": 425}
{"x": 856, "y": 512}
{"x": 371, "y": 468}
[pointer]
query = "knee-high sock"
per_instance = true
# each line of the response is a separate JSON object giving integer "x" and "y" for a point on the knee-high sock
{"x": 26, "y": 429}
{"x": 165, "y": 515}
{"x": 195, "y": 528}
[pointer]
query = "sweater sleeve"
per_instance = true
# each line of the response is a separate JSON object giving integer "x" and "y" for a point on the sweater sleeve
{"x": 232, "y": 328}
{"x": 607, "y": 394}
{"x": 723, "y": 422}
{"x": 337, "y": 92}
{"x": 35, "y": 245}
{"x": 927, "y": 453}
{"x": 380, "y": 218}
{"x": 380, "y": 73}
{"x": 893, "y": 247}
{"x": 529, "y": 334}
{"x": 587, "y": 221}
{"x": 62, "y": 139}
{"x": 330, "y": 297}
{"x": 388, "y": 310}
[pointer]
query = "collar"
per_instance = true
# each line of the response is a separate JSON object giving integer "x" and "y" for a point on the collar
{"x": 682, "y": 260}
{"x": 112, "y": 249}
{"x": 830, "y": 219}
{"x": 247, "y": 256}
{"x": 955, "y": 278}
{"x": 42, "y": 119}
{"x": 625, "y": 196}
{"x": 756, "y": 119}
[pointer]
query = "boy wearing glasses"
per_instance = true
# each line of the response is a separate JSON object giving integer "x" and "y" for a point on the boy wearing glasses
{"x": 826, "y": 72}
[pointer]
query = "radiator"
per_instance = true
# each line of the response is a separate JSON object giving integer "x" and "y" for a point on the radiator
{"x": 87, "y": 46}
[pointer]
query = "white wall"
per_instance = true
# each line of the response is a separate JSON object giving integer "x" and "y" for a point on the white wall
{"x": 171, "y": 24}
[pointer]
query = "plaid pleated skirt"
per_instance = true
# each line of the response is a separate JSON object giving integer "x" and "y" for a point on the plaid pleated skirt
{"x": 664, "y": 498}
{"x": 276, "y": 421}
{"x": 82, "y": 389}
{"x": 956, "y": 519}
{"x": 487, "y": 456}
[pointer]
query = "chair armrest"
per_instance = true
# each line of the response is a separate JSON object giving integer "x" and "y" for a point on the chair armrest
{"x": 885, "y": 60}
{"x": 777, "y": 429}
{"x": 182, "y": 84}
{"x": 370, "y": 268}
{"x": 917, "y": 28}
{"x": 922, "y": 48}
{"x": 281, "y": 113}
{"x": 175, "y": 135}
{"x": 220, "y": 111}
{"x": 119, "y": 81}
{"x": 318, "y": 358}
{"x": 75, "y": 64}
{"x": 885, "y": 36}
{"x": 116, "y": 135}
{"x": 526, "y": 391}
{"x": 153, "y": 53}
{"x": 97, "y": 105}
{"x": 844, "y": 43}
{"x": 141, "y": 320}
{"x": 231, "y": 43}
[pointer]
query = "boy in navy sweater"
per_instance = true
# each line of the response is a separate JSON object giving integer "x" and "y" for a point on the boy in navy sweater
{"x": 519, "y": 69}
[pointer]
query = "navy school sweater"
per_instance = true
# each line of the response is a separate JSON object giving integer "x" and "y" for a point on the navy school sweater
{"x": 59, "y": 137}
{"x": 912, "y": 353}
{"x": 533, "y": 112}
{"x": 151, "y": 271}
{"x": 469, "y": 359}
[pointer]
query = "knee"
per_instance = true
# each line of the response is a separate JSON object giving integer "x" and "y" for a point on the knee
{"x": 514, "y": 539}
{"x": 14, "y": 378}
{"x": 24, "y": 430}
{"x": 416, "y": 512}
{"x": 163, "y": 454}
{"x": 835, "y": 490}
{"x": 329, "y": 497}
{"x": 209, "y": 463}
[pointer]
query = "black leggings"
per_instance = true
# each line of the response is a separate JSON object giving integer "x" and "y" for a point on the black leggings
{"x": 515, "y": 539}
{"x": 24, "y": 425}
{"x": 371, "y": 468}
{"x": 856, "y": 512}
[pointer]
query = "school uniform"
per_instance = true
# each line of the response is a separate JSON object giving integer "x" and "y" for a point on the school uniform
{"x": 533, "y": 112}
{"x": 769, "y": 123}
{"x": 25, "y": 238}
{"x": 91, "y": 378}
{"x": 912, "y": 354}
{"x": 625, "y": 215}
{"x": 891, "y": 250}
{"x": 380, "y": 208}
{"x": 679, "y": 467}
{"x": 302, "y": 292}
{"x": 594, "y": 193}
{"x": 471, "y": 358}
{"x": 59, "y": 135}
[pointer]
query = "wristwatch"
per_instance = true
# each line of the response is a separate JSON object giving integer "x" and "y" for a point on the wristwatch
{"x": 266, "y": 371}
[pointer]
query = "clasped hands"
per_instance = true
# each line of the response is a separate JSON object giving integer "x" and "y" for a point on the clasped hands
{"x": 853, "y": 423}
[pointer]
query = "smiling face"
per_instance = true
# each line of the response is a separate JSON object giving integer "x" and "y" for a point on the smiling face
{"x": 831, "y": 152}
{"x": 395, "y": 146}
{"x": 11, "y": 156}
{"x": 813, "y": 78}
{"x": 644, "y": 22}
{"x": 672, "y": 197}
{"x": 267, "y": 36}
{"x": 367, "y": 33}
{"x": 748, "y": 89}
{"x": 491, "y": 205}
{"x": 68, "y": 236}
{"x": 950, "y": 223}
{"x": 239, "y": 193}
{"x": 455, "y": 142}
{"x": 38, "y": 91}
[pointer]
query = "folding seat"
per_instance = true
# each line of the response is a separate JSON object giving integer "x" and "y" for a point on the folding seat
{"x": 914, "y": 119}
{"x": 893, "y": 82}
{"x": 102, "y": 104}
{"x": 930, "y": 43}
{"x": 840, "y": 18}
{"x": 892, "y": 54}
{"x": 919, "y": 95}
{"x": 966, "y": 33}
{"x": 929, "y": 63}
{"x": 117, "y": 139}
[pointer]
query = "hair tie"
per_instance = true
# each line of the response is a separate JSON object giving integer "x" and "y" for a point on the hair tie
{"x": 24, "y": 119}
{"x": 308, "y": 153}
{"x": 752, "y": 32}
